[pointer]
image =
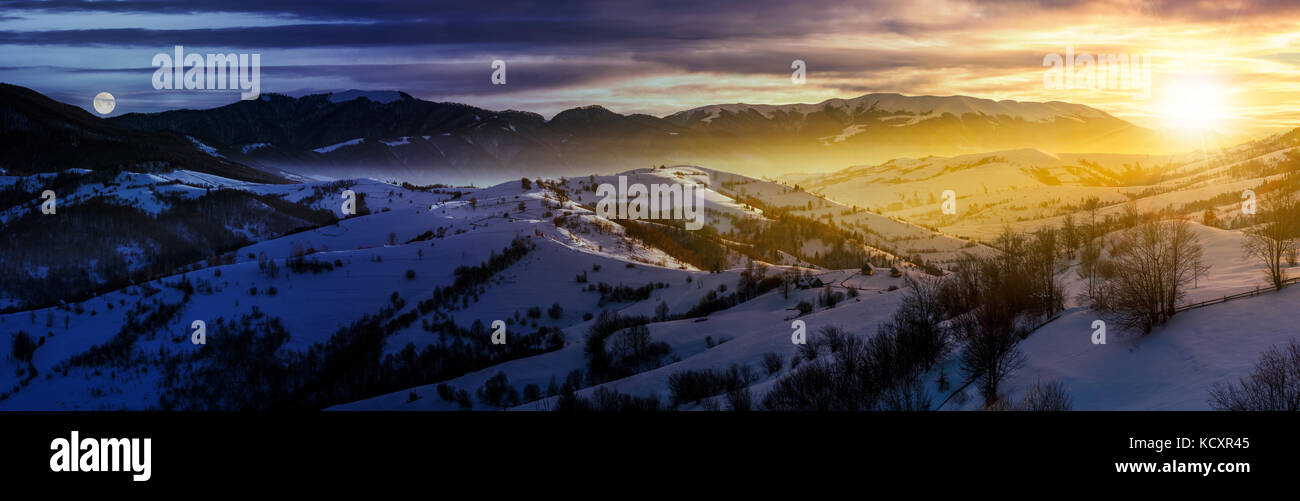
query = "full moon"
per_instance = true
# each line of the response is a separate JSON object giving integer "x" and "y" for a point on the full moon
{"x": 104, "y": 103}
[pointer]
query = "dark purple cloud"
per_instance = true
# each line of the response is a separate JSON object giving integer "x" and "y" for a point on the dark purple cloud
{"x": 442, "y": 48}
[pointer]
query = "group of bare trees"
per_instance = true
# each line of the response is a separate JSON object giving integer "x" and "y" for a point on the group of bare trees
{"x": 1274, "y": 385}
{"x": 1273, "y": 241}
{"x": 1136, "y": 276}
{"x": 1147, "y": 272}
{"x": 1139, "y": 275}
{"x": 843, "y": 372}
{"x": 1274, "y": 237}
{"x": 994, "y": 302}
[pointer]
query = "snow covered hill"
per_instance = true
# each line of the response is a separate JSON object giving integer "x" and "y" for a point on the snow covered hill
{"x": 395, "y": 307}
{"x": 1173, "y": 367}
{"x": 1169, "y": 369}
{"x": 409, "y": 242}
{"x": 1031, "y": 188}
{"x": 739, "y": 336}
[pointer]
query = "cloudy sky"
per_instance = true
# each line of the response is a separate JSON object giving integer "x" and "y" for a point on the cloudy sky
{"x": 1221, "y": 63}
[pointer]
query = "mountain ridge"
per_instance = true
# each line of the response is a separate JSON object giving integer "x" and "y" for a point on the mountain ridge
{"x": 394, "y": 135}
{"x": 40, "y": 134}
{"x": 892, "y": 101}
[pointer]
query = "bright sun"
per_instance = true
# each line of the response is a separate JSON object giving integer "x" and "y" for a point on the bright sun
{"x": 1194, "y": 104}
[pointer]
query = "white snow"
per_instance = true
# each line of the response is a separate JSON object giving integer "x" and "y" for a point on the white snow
{"x": 248, "y": 148}
{"x": 332, "y": 147}
{"x": 203, "y": 147}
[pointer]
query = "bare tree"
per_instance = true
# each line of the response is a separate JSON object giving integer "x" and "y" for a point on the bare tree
{"x": 1089, "y": 260}
{"x": 990, "y": 355}
{"x": 989, "y": 327}
{"x": 1152, "y": 264}
{"x": 1043, "y": 261}
{"x": 994, "y": 302}
{"x": 1274, "y": 237}
{"x": 1069, "y": 236}
{"x": 1184, "y": 262}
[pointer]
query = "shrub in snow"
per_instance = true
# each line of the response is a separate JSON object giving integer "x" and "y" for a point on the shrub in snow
{"x": 740, "y": 400}
{"x": 497, "y": 392}
{"x": 880, "y": 373}
{"x": 462, "y": 399}
{"x": 1045, "y": 397}
{"x": 23, "y": 347}
{"x": 772, "y": 363}
{"x": 532, "y": 392}
{"x": 691, "y": 386}
{"x": 446, "y": 392}
{"x": 606, "y": 400}
{"x": 1274, "y": 385}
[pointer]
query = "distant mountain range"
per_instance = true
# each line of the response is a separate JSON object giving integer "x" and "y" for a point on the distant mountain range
{"x": 390, "y": 134}
{"x": 39, "y": 134}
